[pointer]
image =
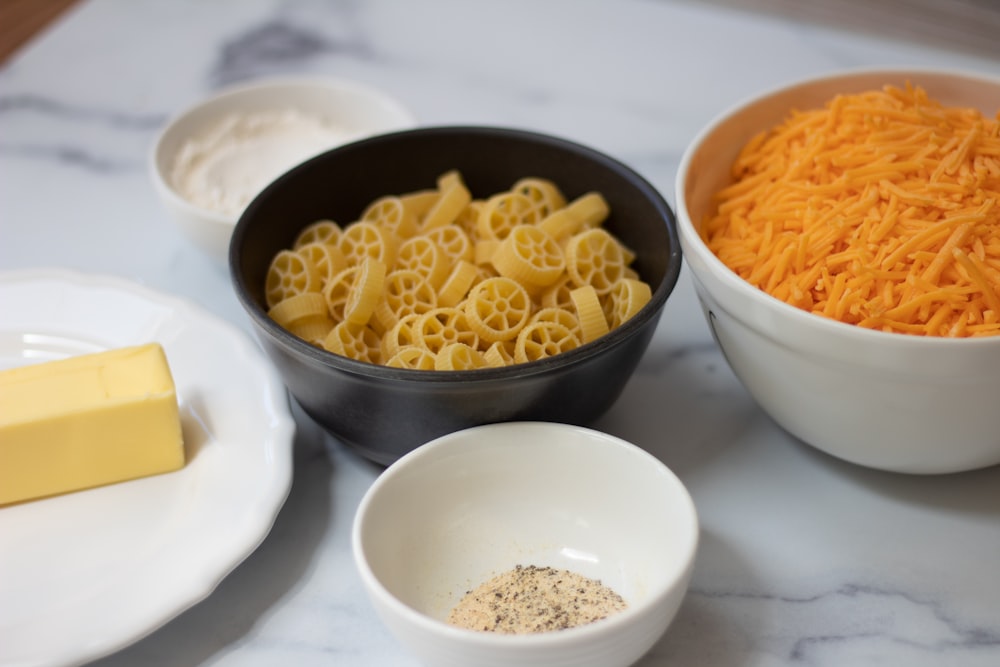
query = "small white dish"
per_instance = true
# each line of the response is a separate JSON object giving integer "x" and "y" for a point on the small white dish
{"x": 347, "y": 111}
{"x": 87, "y": 573}
{"x": 473, "y": 504}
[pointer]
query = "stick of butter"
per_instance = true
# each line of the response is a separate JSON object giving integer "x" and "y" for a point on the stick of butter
{"x": 87, "y": 421}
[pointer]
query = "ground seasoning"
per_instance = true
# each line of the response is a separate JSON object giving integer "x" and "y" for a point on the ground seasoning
{"x": 530, "y": 599}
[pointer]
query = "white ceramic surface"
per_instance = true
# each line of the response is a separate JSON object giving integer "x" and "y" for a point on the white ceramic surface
{"x": 889, "y": 401}
{"x": 473, "y": 504}
{"x": 359, "y": 109}
{"x": 86, "y": 573}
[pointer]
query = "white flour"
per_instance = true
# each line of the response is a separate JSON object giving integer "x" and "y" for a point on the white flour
{"x": 225, "y": 168}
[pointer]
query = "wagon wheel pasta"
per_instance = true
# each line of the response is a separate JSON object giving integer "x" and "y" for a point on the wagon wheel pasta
{"x": 338, "y": 290}
{"x": 326, "y": 257}
{"x": 457, "y": 285}
{"x": 304, "y": 315}
{"x": 423, "y": 255}
{"x": 543, "y": 194}
{"x": 543, "y": 339}
{"x": 557, "y": 295}
{"x": 484, "y": 250}
{"x": 484, "y": 271}
{"x": 625, "y": 300}
{"x": 412, "y": 356}
{"x": 405, "y": 292}
{"x": 440, "y": 327}
{"x": 356, "y": 342}
{"x": 312, "y": 331}
{"x": 392, "y": 215}
{"x": 530, "y": 256}
{"x": 468, "y": 219}
{"x": 435, "y": 280}
{"x": 363, "y": 239}
{"x": 595, "y": 258}
{"x": 563, "y": 316}
{"x": 590, "y": 210}
{"x": 400, "y": 335}
{"x": 417, "y": 203}
{"x": 298, "y": 307}
{"x": 321, "y": 231}
{"x": 453, "y": 199}
{"x": 289, "y": 274}
{"x": 366, "y": 290}
{"x": 504, "y": 211}
{"x": 500, "y": 353}
{"x": 458, "y": 357}
{"x": 497, "y": 308}
{"x": 560, "y": 224}
{"x": 453, "y": 241}
{"x": 589, "y": 312}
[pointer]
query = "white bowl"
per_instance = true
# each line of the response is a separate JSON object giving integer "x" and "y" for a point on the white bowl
{"x": 465, "y": 507}
{"x": 354, "y": 109}
{"x": 888, "y": 401}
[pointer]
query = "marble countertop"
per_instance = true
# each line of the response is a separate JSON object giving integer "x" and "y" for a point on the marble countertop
{"x": 804, "y": 560}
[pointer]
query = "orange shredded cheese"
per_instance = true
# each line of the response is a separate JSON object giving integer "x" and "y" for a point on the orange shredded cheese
{"x": 881, "y": 209}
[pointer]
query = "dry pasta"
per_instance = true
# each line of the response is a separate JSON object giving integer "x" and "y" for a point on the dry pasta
{"x": 294, "y": 309}
{"x": 595, "y": 258}
{"x": 436, "y": 280}
{"x": 413, "y": 356}
{"x": 321, "y": 231}
{"x": 325, "y": 257}
{"x": 453, "y": 199}
{"x": 423, "y": 255}
{"x": 337, "y": 291}
{"x": 405, "y": 292}
{"x": 497, "y": 308}
{"x": 504, "y": 211}
{"x": 356, "y": 342}
{"x": 880, "y": 209}
{"x": 365, "y": 292}
{"x": 393, "y": 216}
{"x": 399, "y": 336}
{"x": 366, "y": 238}
{"x": 440, "y": 327}
{"x": 544, "y": 195}
{"x": 529, "y": 256}
{"x": 458, "y": 357}
{"x": 539, "y": 340}
{"x": 312, "y": 331}
{"x": 589, "y": 313}
{"x": 288, "y": 275}
{"x": 457, "y": 285}
{"x": 499, "y": 354}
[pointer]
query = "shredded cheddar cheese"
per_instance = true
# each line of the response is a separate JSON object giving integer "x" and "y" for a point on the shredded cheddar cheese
{"x": 881, "y": 209}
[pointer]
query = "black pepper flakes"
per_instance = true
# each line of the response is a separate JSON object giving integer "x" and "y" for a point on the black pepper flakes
{"x": 515, "y": 603}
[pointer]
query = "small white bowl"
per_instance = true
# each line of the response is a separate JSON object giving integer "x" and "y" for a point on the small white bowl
{"x": 889, "y": 401}
{"x": 355, "y": 110}
{"x": 470, "y": 505}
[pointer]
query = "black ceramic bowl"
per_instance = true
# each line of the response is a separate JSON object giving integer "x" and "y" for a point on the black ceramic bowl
{"x": 386, "y": 412}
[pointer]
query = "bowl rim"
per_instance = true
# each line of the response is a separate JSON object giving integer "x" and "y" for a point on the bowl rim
{"x": 220, "y": 96}
{"x": 465, "y": 439}
{"x": 616, "y": 336}
{"x": 695, "y": 246}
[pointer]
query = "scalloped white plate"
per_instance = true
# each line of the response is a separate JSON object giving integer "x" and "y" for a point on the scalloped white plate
{"x": 85, "y": 574}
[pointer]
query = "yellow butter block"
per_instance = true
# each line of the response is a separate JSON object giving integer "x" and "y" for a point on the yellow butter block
{"x": 87, "y": 421}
